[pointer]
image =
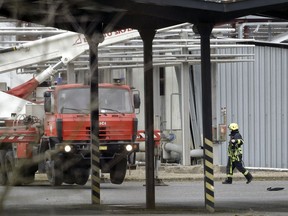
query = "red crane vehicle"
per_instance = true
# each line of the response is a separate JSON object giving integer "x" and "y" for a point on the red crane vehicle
{"x": 55, "y": 136}
{"x": 66, "y": 139}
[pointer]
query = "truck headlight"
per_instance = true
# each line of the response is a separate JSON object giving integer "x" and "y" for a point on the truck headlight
{"x": 129, "y": 148}
{"x": 67, "y": 148}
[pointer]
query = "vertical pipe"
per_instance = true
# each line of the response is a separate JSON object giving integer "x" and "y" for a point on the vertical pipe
{"x": 185, "y": 120}
{"x": 186, "y": 160}
{"x": 147, "y": 36}
{"x": 205, "y": 31}
{"x": 71, "y": 76}
{"x": 95, "y": 154}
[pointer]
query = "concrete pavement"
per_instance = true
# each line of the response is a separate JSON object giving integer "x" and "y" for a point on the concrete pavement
{"x": 172, "y": 172}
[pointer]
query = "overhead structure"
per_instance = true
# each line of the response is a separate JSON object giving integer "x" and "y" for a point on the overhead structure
{"x": 86, "y": 16}
{"x": 102, "y": 16}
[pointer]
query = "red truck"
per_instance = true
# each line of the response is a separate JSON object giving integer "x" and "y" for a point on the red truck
{"x": 60, "y": 143}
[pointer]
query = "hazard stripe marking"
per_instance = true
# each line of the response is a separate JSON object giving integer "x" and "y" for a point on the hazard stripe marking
{"x": 209, "y": 175}
{"x": 209, "y": 208}
{"x": 210, "y": 198}
{"x": 208, "y": 164}
{"x": 208, "y": 142}
{"x": 209, "y": 186}
{"x": 95, "y": 170}
{"x": 208, "y": 153}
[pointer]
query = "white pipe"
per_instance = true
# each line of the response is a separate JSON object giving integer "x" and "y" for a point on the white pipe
{"x": 196, "y": 41}
{"x": 31, "y": 28}
{"x": 214, "y": 30}
{"x": 240, "y": 31}
{"x": 195, "y": 46}
{"x": 48, "y": 72}
{"x": 30, "y": 32}
{"x": 170, "y": 64}
{"x": 166, "y": 56}
{"x": 267, "y": 169}
{"x": 172, "y": 59}
{"x": 142, "y": 146}
{"x": 196, "y": 153}
{"x": 170, "y": 147}
{"x": 280, "y": 38}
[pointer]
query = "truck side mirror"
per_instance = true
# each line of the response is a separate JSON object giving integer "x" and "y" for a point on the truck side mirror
{"x": 47, "y": 101}
{"x": 137, "y": 101}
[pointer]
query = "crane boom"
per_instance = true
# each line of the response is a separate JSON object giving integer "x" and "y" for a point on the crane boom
{"x": 67, "y": 46}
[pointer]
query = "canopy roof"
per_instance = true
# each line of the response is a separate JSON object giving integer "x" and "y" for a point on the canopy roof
{"x": 103, "y": 15}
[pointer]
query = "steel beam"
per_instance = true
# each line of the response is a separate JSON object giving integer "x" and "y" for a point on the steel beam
{"x": 95, "y": 154}
{"x": 205, "y": 31}
{"x": 147, "y": 36}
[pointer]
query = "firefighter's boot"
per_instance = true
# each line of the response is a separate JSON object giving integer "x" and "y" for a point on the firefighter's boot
{"x": 228, "y": 180}
{"x": 249, "y": 177}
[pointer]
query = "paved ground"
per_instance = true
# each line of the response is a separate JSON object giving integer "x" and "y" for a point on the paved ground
{"x": 178, "y": 198}
{"x": 177, "y": 172}
{"x": 246, "y": 203}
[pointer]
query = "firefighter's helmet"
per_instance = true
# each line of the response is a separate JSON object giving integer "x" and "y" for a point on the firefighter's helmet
{"x": 233, "y": 126}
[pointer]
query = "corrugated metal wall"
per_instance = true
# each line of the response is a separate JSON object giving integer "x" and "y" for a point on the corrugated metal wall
{"x": 256, "y": 97}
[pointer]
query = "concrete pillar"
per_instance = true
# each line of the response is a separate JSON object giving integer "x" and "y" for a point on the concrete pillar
{"x": 71, "y": 78}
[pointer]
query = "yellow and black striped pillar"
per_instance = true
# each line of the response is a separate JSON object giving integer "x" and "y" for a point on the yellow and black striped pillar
{"x": 209, "y": 175}
{"x": 205, "y": 30}
{"x": 95, "y": 153}
{"x": 95, "y": 172}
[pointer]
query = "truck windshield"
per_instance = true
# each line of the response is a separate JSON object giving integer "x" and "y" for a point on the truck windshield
{"x": 111, "y": 100}
{"x": 74, "y": 100}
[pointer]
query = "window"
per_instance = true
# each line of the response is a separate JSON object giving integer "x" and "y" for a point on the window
{"x": 114, "y": 100}
{"x": 74, "y": 100}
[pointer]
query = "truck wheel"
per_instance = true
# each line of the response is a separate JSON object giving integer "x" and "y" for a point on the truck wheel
{"x": 12, "y": 173}
{"x": 3, "y": 174}
{"x": 81, "y": 176}
{"x": 69, "y": 177}
{"x": 53, "y": 170}
{"x": 118, "y": 172}
{"x": 28, "y": 172}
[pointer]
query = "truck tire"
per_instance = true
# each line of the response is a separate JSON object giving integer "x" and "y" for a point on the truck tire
{"x": 53, "y": 170}
{"x": 42, "y": 148}
{"x": 27, "y": 170}
{"x": 81, "y": 175}
{"x": 69, "y": 177}
{"x": 13, "y": 177}
{"x": 118, "y": 172}
{"x": 3, "y": 174}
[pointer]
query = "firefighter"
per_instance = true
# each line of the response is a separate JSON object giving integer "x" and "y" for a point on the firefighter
{"x": 235, "y": 155}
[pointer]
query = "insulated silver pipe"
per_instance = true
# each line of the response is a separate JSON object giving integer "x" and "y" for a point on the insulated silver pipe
{"x": 170, "y": 147}
{"x": 30, "y": 32}
{"x": 241, "y": 27}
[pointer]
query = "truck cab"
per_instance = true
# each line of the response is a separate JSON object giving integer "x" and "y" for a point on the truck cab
{"x": 66, "y": 141}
